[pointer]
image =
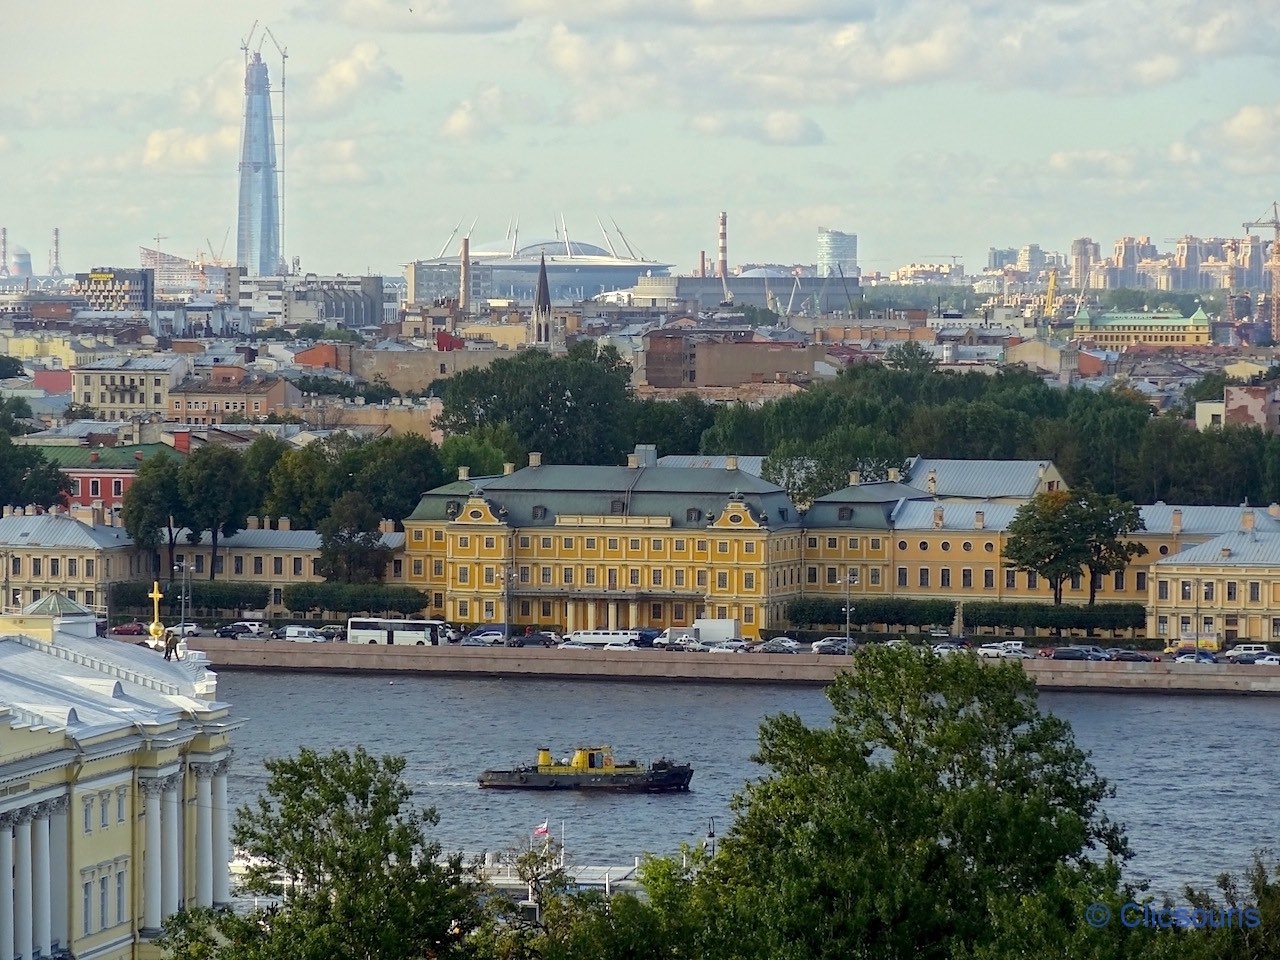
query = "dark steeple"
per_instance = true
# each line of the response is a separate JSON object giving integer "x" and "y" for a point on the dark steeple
{"x": 542, "y": 298}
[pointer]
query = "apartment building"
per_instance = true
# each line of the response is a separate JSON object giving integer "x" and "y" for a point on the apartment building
{"x": 113, "y": 788}
{"x": 230, "y": 392}
{"x": 1115, "y": 331}
{"x": 102, "y": 475}
{"x": 122, "y": 388}
{"x": 47, "y": 553}
{"x": 586, "y": 547}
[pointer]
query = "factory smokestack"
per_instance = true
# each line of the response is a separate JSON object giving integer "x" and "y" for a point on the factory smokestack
{"x": 464, "y": 278}
{"x": 55, "y": 255}
{"x": 4, "y": 251}
{"x": 702, "y": 263}
{"x": 722, "y": 262}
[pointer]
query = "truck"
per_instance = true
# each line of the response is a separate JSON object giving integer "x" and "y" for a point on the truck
{"x": 706, "y": 632}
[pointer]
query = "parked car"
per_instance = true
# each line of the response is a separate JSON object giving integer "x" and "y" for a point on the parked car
{"x": 991, "y": 650}
{"x": 778, "y": 645}
{"x": 1133, "y": 656}
{"x": 494, "y": 636}
{"x": 947, "y": 649}
{"x": 729, "y": 646}
{"x": 647, "y": 636}
{"x": 1070, "y": 653}
{"x": 474, "y": 642}
{"x": 825, "y": 641}
{"x": 249, "y": 627}
{"x": 336, "y": 632}
{"x": 1202, "y": 656}
{"x": 1268, "y": 660}
{"x": 834, "y": 646}
{"x": 514, "y": 641}
{"x": 567, "y": 645}
{"x": 543, "y": 638}
{"x": 619, "y": 645}
{"x": 133, "y": 629}
{"x": 1245, "y": 649}
{"x": 186, "y": 629}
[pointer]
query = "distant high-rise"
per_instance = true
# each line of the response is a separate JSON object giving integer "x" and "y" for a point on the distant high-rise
{"x": 258, "y": 226}
{"x": 837, "y": 253}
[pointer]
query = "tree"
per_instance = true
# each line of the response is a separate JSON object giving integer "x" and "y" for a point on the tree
{"x": 939, "y": 815}
{"x": 10, "y": 367}
{"x": 318, "y": 331}
{"x": 910, "y": 357}
{"x": 13, "y": 409}
{"x": 465, "y": 449}
{"x": 392, "y": 472}
{"x": 362, "y": 877}
{"x": 351, "y": 547}
{"x": 673, "y": 426}
{"x": 259, "y": 460}
{"x": 153, "y": 509}
{"x": 26, "y": 477}
{"x": 215, "y": 495}
{"x": 1106, "y": 521}
{"x": 78, "y": 411}
{"x": 1046, "y": 538}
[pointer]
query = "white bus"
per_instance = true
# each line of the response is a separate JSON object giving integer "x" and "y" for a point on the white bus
{"x": 598, "y": 638}
{"x": 404, "y": 632}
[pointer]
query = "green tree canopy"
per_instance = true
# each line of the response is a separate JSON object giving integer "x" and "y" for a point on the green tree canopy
{"x": 215, "y": 494}
{"x": 10, "y": 367}
{"x": 351, "y": 547}
{"x": 364, "y": 879}
{"x": 1107, "y": 522}
{"x": 153, "y": 509}
{"x": 1047, "y": 538}
{"x": 27, "y": 478}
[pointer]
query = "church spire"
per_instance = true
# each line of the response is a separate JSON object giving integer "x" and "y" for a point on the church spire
{"x": 542, "y": 297}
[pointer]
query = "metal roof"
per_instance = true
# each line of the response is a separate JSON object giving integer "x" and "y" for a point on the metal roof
{"x": 60, "y": 530}
{"x": 920, "y": 515}
{"x": 1204, "y": 521}
{"x": 157, "y": 362}
{"x": 1256, "y": 548}
{"x": 275, "y": 540}
{"x": 107, "y": 458}
{"x": 979, "y": 478}
{"x": 751, "y": 465}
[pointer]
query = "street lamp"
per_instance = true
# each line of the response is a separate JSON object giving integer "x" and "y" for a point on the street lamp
{"x": 184, "y": 598}
{"x": 849, "y": 581}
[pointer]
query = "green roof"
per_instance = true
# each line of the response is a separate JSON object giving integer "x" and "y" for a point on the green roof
{"x": 690, "y": 496}
{"x": 108, "y": 458}
{"x": 1140, "y": 319}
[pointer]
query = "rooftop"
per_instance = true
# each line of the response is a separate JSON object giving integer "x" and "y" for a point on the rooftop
{"x": 1240, "y": 548}
{"x": 980, "y": 479}
{"x": 106, "y": 458}
{"x": 59, "y": 530}
{"x": 156, "y": 363}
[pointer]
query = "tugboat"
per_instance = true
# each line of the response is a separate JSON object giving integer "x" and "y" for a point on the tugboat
{"x": 591, "y": 768}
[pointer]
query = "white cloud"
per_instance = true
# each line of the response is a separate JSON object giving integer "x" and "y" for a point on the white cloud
{"x": 350, "y": 77}
{"x": 178, "y": 149}
{"x": 787, "y": 129}
{"x": 404, "y": 16}
{"x": 331, "y": 162}
{"x": 219, "y": 94}
{"x": 1254, "y": 126}
{"x": 487, "y": 112}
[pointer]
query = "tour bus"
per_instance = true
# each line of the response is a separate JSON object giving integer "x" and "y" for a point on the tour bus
{"x": 410, "y": 632}
{"x": 598, "y": 638}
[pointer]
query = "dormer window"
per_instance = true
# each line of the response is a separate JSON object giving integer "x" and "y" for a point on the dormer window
{"x": 539, "y": 513}
{"x": 452, "y": 508}
{"x": 692, "y": 515}
{"x": 784, "y": 514}
{"x": 617, "y": 506}
{"x": 846, "y": 513}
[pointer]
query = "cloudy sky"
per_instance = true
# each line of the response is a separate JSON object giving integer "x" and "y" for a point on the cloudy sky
{"x": 928, "y": 127}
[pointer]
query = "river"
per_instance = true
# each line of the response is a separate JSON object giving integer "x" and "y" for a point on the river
{"x": 1194, "y": 776}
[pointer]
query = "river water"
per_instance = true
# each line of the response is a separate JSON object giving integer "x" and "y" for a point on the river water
{"x": 1194, "y": 776}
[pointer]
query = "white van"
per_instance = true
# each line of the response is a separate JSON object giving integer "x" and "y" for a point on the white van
{"x": 304, "y": 635}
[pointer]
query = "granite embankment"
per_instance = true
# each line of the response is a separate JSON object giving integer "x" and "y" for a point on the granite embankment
{"x": 1164, "y": 677}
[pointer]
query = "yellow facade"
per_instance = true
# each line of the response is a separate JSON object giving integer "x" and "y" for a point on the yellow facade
{"x": 48, "y": 552}
{"x": 585, "y": 571}
{"x": 113, "y": 804}
{"x": 66, "y": 351}
{"x": 1116, "y": 330}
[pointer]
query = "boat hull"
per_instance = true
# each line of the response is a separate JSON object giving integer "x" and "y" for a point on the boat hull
{"x": 673, "y": 779}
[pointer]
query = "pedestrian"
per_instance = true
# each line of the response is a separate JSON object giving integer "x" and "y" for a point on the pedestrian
{"x": 170, "y": 645}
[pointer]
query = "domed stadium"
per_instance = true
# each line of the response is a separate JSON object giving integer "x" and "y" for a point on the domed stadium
{"x": 508, "y": 269}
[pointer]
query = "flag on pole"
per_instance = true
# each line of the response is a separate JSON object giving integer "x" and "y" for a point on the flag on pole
{"x": 542, "y": 829}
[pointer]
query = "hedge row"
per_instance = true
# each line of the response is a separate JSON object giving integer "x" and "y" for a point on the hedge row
{"x": 354, "y": 598}
{"x": 902, "y": 611}
{"x": 205, "y": 595}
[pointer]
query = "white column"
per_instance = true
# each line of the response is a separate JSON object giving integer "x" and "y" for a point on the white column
{"x": 151, "y": 898}
{"x": 22, "y": 884}
{"x": 204, "y": 833}
{"x": 60, "y": 922}
{"x": 171, "y": 882}
{"x": 221, "y": 835}
{"x": 6, "y": 886}
{"x": 41, "y": 878}
{"x": 613, "y": 614}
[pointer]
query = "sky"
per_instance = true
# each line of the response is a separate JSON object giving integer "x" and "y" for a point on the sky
{"x": 931, "y": 128}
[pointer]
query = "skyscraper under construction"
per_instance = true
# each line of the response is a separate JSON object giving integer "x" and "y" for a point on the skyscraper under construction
{"x": 258, "y": 227}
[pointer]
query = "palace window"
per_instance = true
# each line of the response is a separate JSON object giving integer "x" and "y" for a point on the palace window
{"x": 902, "y": 576}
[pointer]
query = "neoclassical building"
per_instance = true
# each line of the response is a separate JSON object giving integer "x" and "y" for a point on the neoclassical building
{"x": 113, "y": 788}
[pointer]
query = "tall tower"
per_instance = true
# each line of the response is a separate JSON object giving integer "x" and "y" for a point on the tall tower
{"x": 55, "y": 255}
{"x": 541, "y": 334}
{"x": 837, "y": 253}
{"x": 258, "y": 224}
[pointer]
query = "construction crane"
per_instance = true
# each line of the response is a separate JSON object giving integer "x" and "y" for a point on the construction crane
{"x": 1051, "y": 295}
{"x": 1273, "y": 261}
{"x": 791, "y": 301}
{"x": 955, "y": 258}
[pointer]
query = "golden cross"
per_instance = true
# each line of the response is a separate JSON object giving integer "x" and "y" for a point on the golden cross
{"x": 156, "y": 628}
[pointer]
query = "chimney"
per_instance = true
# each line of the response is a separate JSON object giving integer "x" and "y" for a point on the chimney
{"x": 1175, "y": 522}
{"x": 535, "y": 459}
{"x": 702, "y": 263}
{"x": 937, "y": 518}
{"x": 731, "y": 463}
{"x": 895, "y": 475}
{"x": 633, "y": 461}
{"x": 8, "y": 511}
{"x": 464, "y": 278}
{"x": 386, "y": 526}
{"x": 252, "y": 523}
{"x": 508, "y": 469}
{"x": 95, "y": 456}
{"x": 464, "y": 472}
{"x": 137, "y": 454}
{"x": 855, "y": 478}
{"x": 932, "y": 483}
{"x": 722, "y": 260}
{"x": 979, "y": 519}
{"x": 1247, "y": 520}
{"x": 282, "y": 523}
{"x": 1274, "y": 511}
{"x": 1225, "y": 553}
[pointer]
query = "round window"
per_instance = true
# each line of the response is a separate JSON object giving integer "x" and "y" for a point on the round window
{"x": 1164, "y": 551}
{"x": 735, "y": 518}
{"x": 902, "y": 544}
{"x": 924, "y": 544}
{"x": 946, "y": 545}
{"x": 967, "y": 546}
{"x": 989, "y": 547}
{"x": 475, "y": 514}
